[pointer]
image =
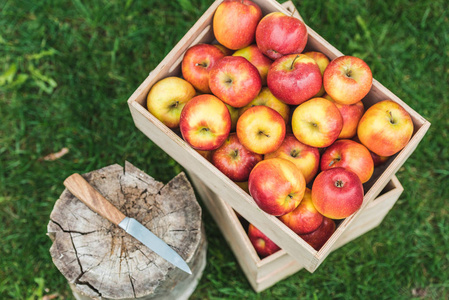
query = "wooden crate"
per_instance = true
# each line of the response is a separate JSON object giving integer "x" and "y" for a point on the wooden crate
{"x": 177, "y": 148}
{"x": 263, "y": 273}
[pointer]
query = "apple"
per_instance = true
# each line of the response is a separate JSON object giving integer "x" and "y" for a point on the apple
{"x": 322, "y": 62}
{"x": 266, "y": 97}
{"x": 235, "y": 23}
{"x": 277, "y": 186}
{"x": 235, "y": 81}
{"x": 261, "y": 129}
{"x": 351, "y": 115}
{"x": 385, "y": 128}
{"x": 197, "y": 63}
{"x": 278, "y": 34}
{"x": 234, "y": 160}
{"x": 350, "y": 155}
{"x": 167, "y": 98}
{"x": 304, "y": 218}
{"x": 319, "y": 237}
{"x": 235, "y": 114}
{"x": 206, "y": 154}
{"x": 260, "y": 61}
{"x": 377, "y": 159}
{"x": 261, "y": 243}
{"x": 317, "y": 122}
{"x": 347, "y": 79}
{"x": 226, "y": 51}
{"x": 337, "y": 193}
{"x": 306, "y": 158}
{"x": 243, "y": 185}
{"x": 294, "y": 78}
{"x": 205, "y": 122}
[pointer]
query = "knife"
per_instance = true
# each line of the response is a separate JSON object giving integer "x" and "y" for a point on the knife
{"x": 82, "y": 190}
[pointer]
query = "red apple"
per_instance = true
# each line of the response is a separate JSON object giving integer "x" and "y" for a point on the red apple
{"x": 385, "y": 128}
{"x": 197, "y": 63}
{"x": 278, "y": 34}
{"x": 350, "y": 155}
{"x": 261, "y": 129}
{"x": 322, "y": 62}
{"x": 262, "y": 244}
{"x": 235, "y": 81}
{"x": 306, "y": 158}
{"x": 267, "y": 98}
{"x": 317, "y": 122}
{"x": 304, "y": 218}
{"x": 294, "y": 78}
{"x": 337, "y": 193}
{"x": 234, "y": 160}
{"x": 235, "y": 23}
{"x": 347, "y": 79}
{"x": 277, "y": 186}
{"x": 260, "y": 61}
{"x": 319, "y": 237}
{"x": 167, "y": 98}
{"x": 377, "y": 159}
{"x": 205, "y": 122}
{"x": 351, "y": 115}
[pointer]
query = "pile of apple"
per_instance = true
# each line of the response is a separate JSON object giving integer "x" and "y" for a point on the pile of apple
{"x": 276, "y": 119}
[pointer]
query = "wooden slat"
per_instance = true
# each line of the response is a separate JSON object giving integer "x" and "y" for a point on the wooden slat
{"x": 171, "y": 143}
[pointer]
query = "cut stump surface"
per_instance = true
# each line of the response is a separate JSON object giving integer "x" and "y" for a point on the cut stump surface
{"x": 100, "y": 260}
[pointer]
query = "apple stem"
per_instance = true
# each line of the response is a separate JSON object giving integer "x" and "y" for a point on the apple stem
{"x": 334, "y": 161}
{"x": 391, "y": 117}
{"x": 291, "y": 67}
{"x": 339, "y": 183}
{"x": 175, "y": 104}
{"x": 261, "y": 132}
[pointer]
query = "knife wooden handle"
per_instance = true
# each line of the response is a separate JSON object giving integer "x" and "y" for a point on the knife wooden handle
{"x": 82, "y": 190}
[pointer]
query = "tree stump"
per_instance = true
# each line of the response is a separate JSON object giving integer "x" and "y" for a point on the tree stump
{"x": 100, "y": 260}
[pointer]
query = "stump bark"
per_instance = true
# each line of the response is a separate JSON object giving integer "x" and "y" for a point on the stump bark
{"x": 101, "y": 261}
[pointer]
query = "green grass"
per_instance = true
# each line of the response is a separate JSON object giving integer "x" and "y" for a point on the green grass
{"x": 68, "y": 67}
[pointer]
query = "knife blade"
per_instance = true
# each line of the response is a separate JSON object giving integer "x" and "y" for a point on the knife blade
{"x": 82, "y": 190}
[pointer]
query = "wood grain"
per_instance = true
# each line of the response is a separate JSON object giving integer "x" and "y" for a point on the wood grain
{"x": 82, "y": 190}
{"x": 100, "y": 260}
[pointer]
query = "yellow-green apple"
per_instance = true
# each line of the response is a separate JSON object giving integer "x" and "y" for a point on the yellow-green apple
{"x": 254, "y": 56}
{"x": 385, "y": 128}
{"x": 266, "y": 98}
{"x": 294, "y": 78}
{"x": 261, "y": 243}
{"x": 235, "y": 23}
{"x": 261, "y": 129}
{"x": 322, "y": 62}
{"x": 277, "y": 186}
{"x": 350, "y": 155}
{"x": 205, "y": 122}
{"x": 351, "y": 115}
{"x": 167, "y": 98}
{"x": 304, "y": 218}
{"x": 319, "y": 237}
{"x": 337, "y": 193}
{"x": 234, "y": 160}
{"x": 235, "y": 114}
{"x": 347, "y": 79}
{"x": 278, "y": 34}
{"x": 223, "y": 49}
{"x": 197, "y": 63}
{"x": 317, "y": 122}
{"x": 235, "y": 81}
{"x": 306, "y": 158}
